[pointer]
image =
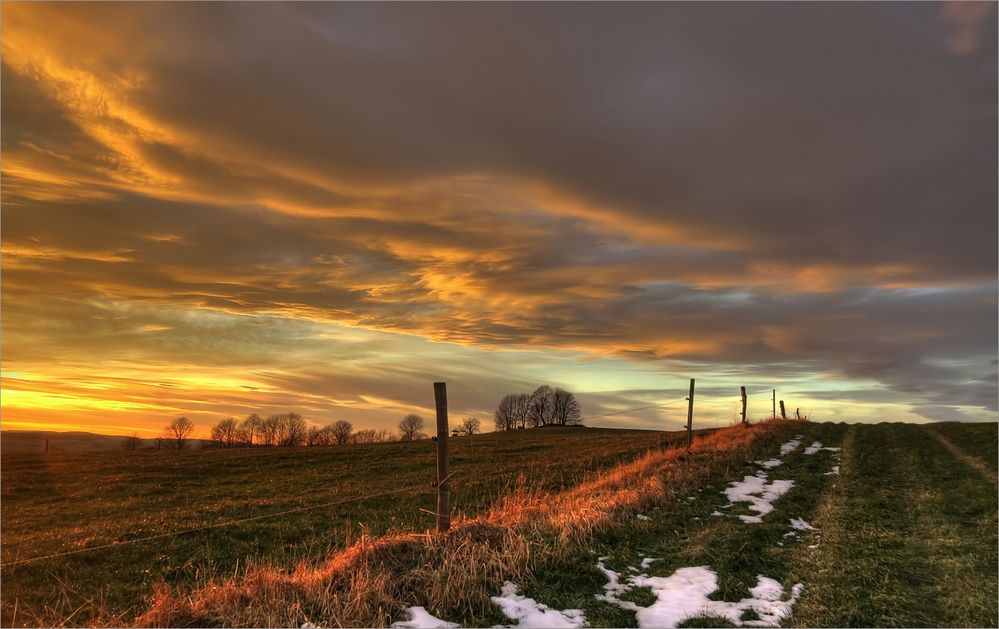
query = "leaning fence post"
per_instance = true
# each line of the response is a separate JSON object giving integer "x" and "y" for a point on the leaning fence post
{"x": 690, "y": 415}
{"x": 443, "y": 484}
{"x": 742, "y": 391}
{"x": 46, "y": 446}
{"x": 783, "y": 414}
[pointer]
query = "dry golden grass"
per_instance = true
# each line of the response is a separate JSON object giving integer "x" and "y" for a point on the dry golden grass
{"x": 372, "y": 582}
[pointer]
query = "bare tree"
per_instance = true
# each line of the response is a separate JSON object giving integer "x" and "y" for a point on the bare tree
{"x": 249, "y": 429}
{"x": 539, "y": 410}
{"x": 225, "y": 432}
{"x": 270, "y": 429}
{"x": 341, "y": 431}
{"x": 293, "y": 430}
{"x": 565, "y": 408}
{"x": 363, "y": 436}
{"x": 178, "y": 431}
{"x": 471, "y": 425}
{"x": 410, "y": 427}
{"x": 505, "y": 415}
{"x": 314, "y": 436}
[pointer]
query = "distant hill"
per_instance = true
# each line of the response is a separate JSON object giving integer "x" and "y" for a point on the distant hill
{"x": 33, "y": 442}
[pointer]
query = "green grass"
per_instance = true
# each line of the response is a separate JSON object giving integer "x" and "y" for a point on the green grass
{"x": 977, "y": 440}
{"x": 62, "y": 502}
{"x": 908, "y": 536}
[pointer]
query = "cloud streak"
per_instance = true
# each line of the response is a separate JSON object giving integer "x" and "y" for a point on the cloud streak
{"x": 223, "y": 189}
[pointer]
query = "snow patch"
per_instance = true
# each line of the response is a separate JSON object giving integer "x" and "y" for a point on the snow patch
{"x": 717, "y": 513}
{"x": 769, "y": 463}
{"x": 791, "y": 445}
{"x": 834, "y": 470}
{"x": 643, "y": 517}
{"x": 648, "y": 562}
{"x": 684, "y": 594}
{"x": 801, "y": 525}
{"x": 816, "y": 446}
{"x": 420, "y": 618}
{"x": 530, "y": 613}
{"x": 758, "y": 493}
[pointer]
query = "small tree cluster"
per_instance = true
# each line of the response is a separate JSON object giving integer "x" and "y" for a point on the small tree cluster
{"x": 547, "y": 406}
{"x": 373, "y": 436}
{"x": 288, "y": 429}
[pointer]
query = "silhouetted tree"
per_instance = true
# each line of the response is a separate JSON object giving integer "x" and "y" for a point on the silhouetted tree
{"x": 314, "y": 436}
{"x": 410, "y": 427}
{"x": 293, "y": 430}
{"x": 505, "y": 415}
{"x": 471, "y": 425}
{"x": 249, "y": 429}
{"x": 539, "y": 409}
{"x": 178, "y": 431}
{"x": 341, "y": 431}
{"x": 270, "y": 430}
{"x": 225, "y": 432}
{"x": 565, "y": 409}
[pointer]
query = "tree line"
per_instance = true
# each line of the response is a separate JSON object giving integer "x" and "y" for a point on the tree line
{"x": 547, "y": 406}
{"x": 291, "y": 430}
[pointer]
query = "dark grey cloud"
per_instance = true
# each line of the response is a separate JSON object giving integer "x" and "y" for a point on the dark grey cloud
{"x": 755, "y": 188}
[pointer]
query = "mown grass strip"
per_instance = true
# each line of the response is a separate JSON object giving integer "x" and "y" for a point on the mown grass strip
{"x": 908, "y": 538}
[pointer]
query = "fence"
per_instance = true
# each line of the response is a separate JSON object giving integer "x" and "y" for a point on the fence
{"x": 442, "y": 483}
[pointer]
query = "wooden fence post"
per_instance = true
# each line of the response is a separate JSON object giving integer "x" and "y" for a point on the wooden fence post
{"x": 783, "y": 415}
{"x": 690, "y": 415}
{"x": 443, "y": 484}
{"x": 774, "y": 401}
{"x": 742, "y": 391}
{"x": 797, "y": 413}
{"x": 46, "y": 446}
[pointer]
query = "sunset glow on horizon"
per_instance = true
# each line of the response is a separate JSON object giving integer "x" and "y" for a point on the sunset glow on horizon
{"x": 218, "y": 209}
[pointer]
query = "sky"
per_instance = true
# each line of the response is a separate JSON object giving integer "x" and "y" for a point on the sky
{"x": 216, "y": 209}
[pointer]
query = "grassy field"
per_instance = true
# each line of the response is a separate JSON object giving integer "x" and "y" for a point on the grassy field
{"x": 67, "y": 501}
{"x": 904, "y": 535}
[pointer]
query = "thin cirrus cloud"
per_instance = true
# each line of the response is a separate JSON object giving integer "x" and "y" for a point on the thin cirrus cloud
{"x": 206, "y": 205}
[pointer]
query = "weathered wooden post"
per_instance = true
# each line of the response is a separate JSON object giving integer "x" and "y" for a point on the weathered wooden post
{"x": 783, "y": 415}
{"x": 443, "y": 484}
{"x": 742, "y": 391}
{"x": 774, "y": 401}
{"x": 797, "y": 413}
{"x": 690, "y": 415}
{"x": 46, "y": 446}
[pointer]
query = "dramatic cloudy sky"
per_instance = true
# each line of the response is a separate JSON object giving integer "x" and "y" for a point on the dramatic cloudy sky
{"x": 218, "y": 209}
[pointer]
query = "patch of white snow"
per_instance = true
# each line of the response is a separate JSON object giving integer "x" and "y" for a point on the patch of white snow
{"x": 769, "y": 463}
{"x": 531, "y": 614}
{"x": 420, "y": 618}
{"x": 684, "y": 594}
{"x": 758, "y": 493}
